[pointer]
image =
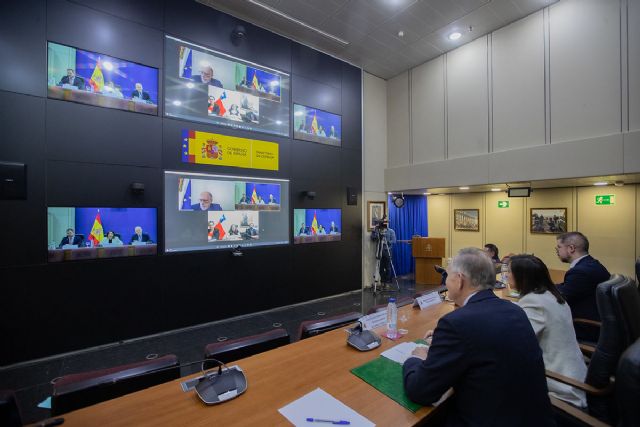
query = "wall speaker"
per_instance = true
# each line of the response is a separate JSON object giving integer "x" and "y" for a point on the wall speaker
{"x": 309, "y": 194}
{"x": 352, "y": 196}
{"x": 137, "y": 188}
{"x": 13, "y": 181}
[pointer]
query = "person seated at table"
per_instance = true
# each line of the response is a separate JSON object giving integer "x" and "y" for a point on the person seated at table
{"x": 260, "y": 201}
{"x": 139, "y": 236}
{"x": 251, "y": 232}
{"x": 71, "y": 239}
{"x": 233, "y": 230}
{"x": 206, "y": 203}
{"x": 321, "y": 229}
{"x": 333, "y": 228}
{"x": 111, "y": 89}
{"x": 303, "y": 230}
{"x": 243, "y": 200}
{"x": 272, "y": 200}
{"x": 111, "y": 239}
{"x": 72, "y": 79}
{"x": 139, "y": 93}
{"x": 494, "y": 365}
{"x": 550, "y": 317}
{"x": 492, "y": 251}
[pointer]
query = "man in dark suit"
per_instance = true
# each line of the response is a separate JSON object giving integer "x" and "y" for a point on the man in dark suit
{"x": 139, "y": 236}
{"x": 206, "y": 203}
{"x": 252, "y": 233}
{"x": 72, "y": 79}
{"x": 580, "y": 282}
{"x": 333, "y": 228}
{"x": 486, "y": 350}
{"x": 71, "y": 238}
{"x": 140, "y": 93}
{"x": 206, "y": 77}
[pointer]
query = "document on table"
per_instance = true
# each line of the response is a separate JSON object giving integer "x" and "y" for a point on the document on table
{"x": 401, "y": 352}
{"x": 321, "y": 405}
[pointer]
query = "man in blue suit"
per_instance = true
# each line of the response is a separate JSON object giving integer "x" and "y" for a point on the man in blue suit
{"x": 486, "y": 351}
{"x": 580, "y": 282}
{"x": 71, "y": 239}
{"x": 206, "y": 203}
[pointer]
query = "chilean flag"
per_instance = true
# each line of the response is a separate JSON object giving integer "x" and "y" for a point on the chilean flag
{"x": 219, "y": 227}
{"x": 221, "y": 109}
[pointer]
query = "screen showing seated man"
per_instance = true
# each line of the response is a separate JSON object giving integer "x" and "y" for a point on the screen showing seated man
{"x": 311, "y": 124}
{"x": 316, "y": 225}
{"x": 215, "y": 211}
{"x": 93, "y": 78}
{"x": 211, "y": 87}
{"x": 76, "y": 233}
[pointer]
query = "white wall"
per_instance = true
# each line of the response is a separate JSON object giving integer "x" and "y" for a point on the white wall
{"x": 548, "y": 96}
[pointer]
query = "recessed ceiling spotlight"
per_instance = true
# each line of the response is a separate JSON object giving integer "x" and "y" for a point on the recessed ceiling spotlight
{"x": 619, "y": 183}
{"x": 496, "y": 189}
{"x": 601, "y": 183}
{"x": 463, "y": 188}
{"x": 190, "y": 85}
{"x": 177, "y": 103}
{"x": 427, "y": 194}
{"x": 455, "y": 35}
{"x": 400, "y": 33}
{"x": 390, "y": 194}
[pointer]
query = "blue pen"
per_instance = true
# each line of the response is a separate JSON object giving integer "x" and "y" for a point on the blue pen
{"x": 318, "y": 420}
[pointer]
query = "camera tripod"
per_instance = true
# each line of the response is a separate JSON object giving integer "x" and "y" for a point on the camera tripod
{"x": 382, "y": 249}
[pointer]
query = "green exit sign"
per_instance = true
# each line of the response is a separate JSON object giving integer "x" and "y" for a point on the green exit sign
{"x": 503, "y": 203}
{"x": 605, "y": 199}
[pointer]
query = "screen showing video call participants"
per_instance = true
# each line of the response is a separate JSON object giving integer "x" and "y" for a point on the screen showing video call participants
{"x": 317, "y": 225}
{"x": 311, "y": 124}
{"x": 204, "y": 212}
{"x": 210, "y": 87}
{"x": 105, "y": 81}
{"x": 77, "y": 233}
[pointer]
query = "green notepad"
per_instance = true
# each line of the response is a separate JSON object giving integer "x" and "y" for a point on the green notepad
{"x": 386, "y": 376}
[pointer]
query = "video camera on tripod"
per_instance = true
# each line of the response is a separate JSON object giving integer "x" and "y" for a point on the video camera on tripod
{"x": 385, "y": 238}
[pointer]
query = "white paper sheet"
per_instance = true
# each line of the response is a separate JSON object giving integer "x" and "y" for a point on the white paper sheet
{"x": 401, "y": 352}
{"x": 321, "y": 405}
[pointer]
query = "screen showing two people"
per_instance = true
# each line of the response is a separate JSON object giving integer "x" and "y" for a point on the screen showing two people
{"x": 93, "y": 78}
{"x": 100, "y": 232}
{"x": 316, "y": 225}
{"x": 210, "y": 87}
{"x": 311, "y": 124}
{"x": 215, "y": 212}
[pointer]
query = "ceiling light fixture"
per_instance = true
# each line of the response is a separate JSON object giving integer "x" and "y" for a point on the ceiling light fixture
{"x": 427, "y": 194}
{"x": 496, "y": 189}
{"x": 297, "y": 21}
{"x": 463, "y": 188}
{"x": 400, "y": 33}
{"x": 455, "y": 35}
{"x": 601, "y": 183}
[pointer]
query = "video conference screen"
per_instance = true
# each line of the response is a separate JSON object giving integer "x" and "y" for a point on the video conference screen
{"x": 93, "y": 78}
{"x": 317, "y": 225}
{"x": 77, "y": 233}
{"x": 204, "y": 212}
{"x": 208, "y": 86}
{"x": 311, "y": 124}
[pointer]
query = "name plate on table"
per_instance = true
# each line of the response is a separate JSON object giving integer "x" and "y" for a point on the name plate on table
{"x": 374, "y": 320}
{"x": 427, "y": 300}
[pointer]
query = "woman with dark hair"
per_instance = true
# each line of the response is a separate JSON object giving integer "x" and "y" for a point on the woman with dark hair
{"x": 492, "y": 251}
{"x": 550, "y": 317}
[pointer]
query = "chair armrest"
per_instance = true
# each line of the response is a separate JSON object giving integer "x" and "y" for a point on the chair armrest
{"x": 582, "y": 386}
{"x": 576, "y": 413}
{"x": 587, "y": 322}
{"x": 587, "y": 349}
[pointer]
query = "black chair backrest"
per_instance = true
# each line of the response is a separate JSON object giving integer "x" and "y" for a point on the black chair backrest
{"x": 627, "y": 300}
{"x": 628, "y": 386}
{"x": 608, "y": 349}
{"x": 76, "y": 391}
{"x": 9, "y": 412}
{"x": 228, "y": 351}
{"x": 311, "y": 328}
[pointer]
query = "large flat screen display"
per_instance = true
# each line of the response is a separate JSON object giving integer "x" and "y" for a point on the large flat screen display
{"x": 93, "y": 78}
{"x": 210, "y": 87}
{"x": 205, "y": 212}
{"x": 311, "y": 124}
{"x": 317, "y": 225}
{"x": 77, "y": 233}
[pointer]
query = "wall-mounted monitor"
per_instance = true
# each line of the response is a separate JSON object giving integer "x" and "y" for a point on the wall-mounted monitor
{"x": 204, "y": 212}
{"x": 311, "y": 124}
{"x": 79, "y": 233}
{"x": 93, "y": 78}
{"x": 207, "y": 86}
{"x": 316, "y": 225}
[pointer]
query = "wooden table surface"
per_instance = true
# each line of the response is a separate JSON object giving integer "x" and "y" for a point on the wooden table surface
{"x": 275, "y": 378}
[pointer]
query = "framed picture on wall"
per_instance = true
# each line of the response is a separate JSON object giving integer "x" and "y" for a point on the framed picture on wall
{"x": 375, "y": 212}
{"x": 466, "y": 219}
{"x": 548, "y": 220}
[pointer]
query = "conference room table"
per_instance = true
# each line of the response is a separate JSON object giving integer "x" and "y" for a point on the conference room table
{"x": 275, "y": 379}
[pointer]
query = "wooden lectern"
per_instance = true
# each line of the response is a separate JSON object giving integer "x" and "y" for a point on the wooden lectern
{"x": 427, "y": 251}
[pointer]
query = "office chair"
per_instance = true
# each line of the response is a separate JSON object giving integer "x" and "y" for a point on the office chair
{"x": 76, "y": 391}
{"x": 239, "y": 348}
{"x": 627, "y": 300}
{"x": 311, "y": 328}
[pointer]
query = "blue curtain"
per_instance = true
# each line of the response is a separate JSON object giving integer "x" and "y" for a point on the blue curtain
{"x": 406, "y": 222}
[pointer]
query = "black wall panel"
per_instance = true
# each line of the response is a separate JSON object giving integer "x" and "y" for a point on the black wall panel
{"x": 317, "y": 95}
{"x": 317, "y": 66}
{"x": 85, "y": 28}
{"x": 82, "y": 133}
{"x": 23, "y": 222}
{"x": 202, "y": 25}
{"x": 22, "y": 45}
{"x": 315, "y": 162}
{"x": 145, "y": 12}
{"x": 352, "y": 107}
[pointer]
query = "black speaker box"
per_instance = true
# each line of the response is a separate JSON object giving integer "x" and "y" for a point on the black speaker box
{"x": 352, "y": 196}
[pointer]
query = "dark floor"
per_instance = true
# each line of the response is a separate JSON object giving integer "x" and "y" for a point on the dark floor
{"x": 31, "y": 381}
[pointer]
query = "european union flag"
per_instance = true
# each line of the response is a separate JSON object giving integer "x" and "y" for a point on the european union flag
{"x": 186, "y": 199}
{"x": 186, "y": 71}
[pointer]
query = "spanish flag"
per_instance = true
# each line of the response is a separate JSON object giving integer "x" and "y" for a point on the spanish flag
{"x": 97, "y": 233}
{"x": 314, "y": 224}
{"x": 254, "y": 82}
{"x": 97, "y": 79}
{"x": 254, "y": 196}
{"x": 314, "y": 124}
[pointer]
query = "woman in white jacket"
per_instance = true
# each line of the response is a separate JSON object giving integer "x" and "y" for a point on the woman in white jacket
{"x": 550, "y": 317}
